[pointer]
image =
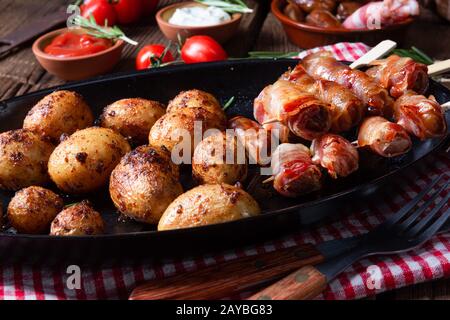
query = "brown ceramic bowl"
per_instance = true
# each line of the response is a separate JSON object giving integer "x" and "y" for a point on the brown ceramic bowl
{"x": 76, "y": 68}
{"x": 306, "y": 36}
{"x": 220, "y": 32}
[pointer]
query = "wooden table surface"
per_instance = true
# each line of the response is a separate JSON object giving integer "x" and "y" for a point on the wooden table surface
{"x": 20, "y": 72}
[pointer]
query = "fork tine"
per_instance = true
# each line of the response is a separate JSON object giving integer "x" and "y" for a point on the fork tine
{"x": 412, "y": 218}
{"x": 422, "y": 223}
{"x": 434, "y": 228}
{"x": 408, "y": 207}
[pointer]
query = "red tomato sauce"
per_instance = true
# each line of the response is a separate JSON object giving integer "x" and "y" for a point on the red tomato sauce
{"x": 70, "y": 44}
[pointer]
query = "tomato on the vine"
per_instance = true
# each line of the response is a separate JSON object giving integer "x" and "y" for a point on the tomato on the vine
{"x": 102, "y": 11}
{"x": 152, "y": 56}
{"x": 127, "y": 11}
{"x": 202, "y": 49}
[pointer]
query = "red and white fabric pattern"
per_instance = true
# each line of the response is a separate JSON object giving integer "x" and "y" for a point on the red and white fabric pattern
{"x": 428, "y": 262}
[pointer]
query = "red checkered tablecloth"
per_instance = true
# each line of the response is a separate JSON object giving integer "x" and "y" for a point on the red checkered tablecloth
{"x": 364, "y": 278}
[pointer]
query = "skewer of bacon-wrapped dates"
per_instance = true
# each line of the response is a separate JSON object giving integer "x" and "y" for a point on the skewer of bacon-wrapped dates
{"x": 383, "y": 137}
{"x": 346, "y": 109}
{"x": 335, "y": 154}
{"x": 304, "y": 114}
{"x": 322, "y": 65}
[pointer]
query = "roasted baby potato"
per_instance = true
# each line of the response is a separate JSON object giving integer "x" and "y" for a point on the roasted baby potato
{"x": 208, "y": 204}
{"x": 77, "y": 220}
{"x": 23, "y": 159}
{"x": 144, "y": 183}
{"x": 174, "y": 127}
{"x": 57, "y": 113}
{"x": 33, "y": 209}
{"x": 84, "y": 161}
{"x": 132, "y": 118}
{"x": 216, "y": 160}
{"x": 197, "y": 99}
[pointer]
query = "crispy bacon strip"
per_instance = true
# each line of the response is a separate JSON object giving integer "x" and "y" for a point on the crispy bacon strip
{"x": 420, "y": 116}
{"x": 346, "y": 109}
{"x": 293, "y": 170}
{"x": 398, "y": 75}
{"x": 335, "y": 154}
{"x": 304, "y": 114}
{"x": 254, "y": 138}
{"x": 383, "y": 137}
{"x": 322, "y": 65}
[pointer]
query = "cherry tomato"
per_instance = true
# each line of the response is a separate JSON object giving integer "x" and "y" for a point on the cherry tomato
{"x": 128, "y": 11}
{"x": 152, "y": 52}
{"x": 202, "y": 49}
{"x": 148, "y": 6}
{"x": 101, "y": 10}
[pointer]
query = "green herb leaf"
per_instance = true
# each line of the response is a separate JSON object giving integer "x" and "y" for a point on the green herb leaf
{"x": 230, "y": 6}
{"x": 228, "y": 103}
{"x": 415, "y": 54}
{"x": 271, "y": 54}
{"x": 98, "y": 31}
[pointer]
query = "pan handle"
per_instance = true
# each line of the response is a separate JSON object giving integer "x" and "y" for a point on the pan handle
{"x": 229, "y": 278}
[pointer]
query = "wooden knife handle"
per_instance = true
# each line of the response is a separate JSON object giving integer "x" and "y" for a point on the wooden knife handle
{"x": 229, "y": 278}
{"x": 303, "y": 284}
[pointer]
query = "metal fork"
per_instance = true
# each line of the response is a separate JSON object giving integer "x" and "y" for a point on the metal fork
{"x": 410, "y": 227}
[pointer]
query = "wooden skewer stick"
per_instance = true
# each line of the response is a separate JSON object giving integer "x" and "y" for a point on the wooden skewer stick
{"x": 273, "y": 120}
{"x": 375, "y": 53}
{"x": 439, "y": 67}
{"x": 269, "y": 179}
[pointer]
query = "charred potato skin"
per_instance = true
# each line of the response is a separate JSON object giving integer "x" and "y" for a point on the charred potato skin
{"x": 209, "y": 163}
{"x": 84, "y": 161}
{"x": 144, "y": 183}
{"x": 77, "y": 220}
{"x": 33, "y": 209}
{"x": 132, "y": 118}
{"x": 23, "y": 159}
{"x": 208, "y": 204}
{"x": 165, "y": 132}
{"x": 197, "y": 99}
{"x": 61, "y": 112}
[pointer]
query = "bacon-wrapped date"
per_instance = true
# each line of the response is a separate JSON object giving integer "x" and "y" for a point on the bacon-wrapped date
{"x": 294, "y": 173}
{"x": 420, "y": 116}
{"x": 254, "y": 138}
{"x": 322, "y": 65}
{"x": 310, "y": 5}
{"x": 346, "y": 109}
{"x": 322, "y": 18}
{"x": 304, "y": 114}
{"x": 335, "y": 154}
{"x": 383, "y": 137}
{"x": 400, "y": 74}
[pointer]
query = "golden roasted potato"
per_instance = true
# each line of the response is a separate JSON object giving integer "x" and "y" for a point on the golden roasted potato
{"x": 144, "y": 183}
{"x": 197, "y": 99}
{"x": 132, "y": 118}
{"x": 172, "y": 128}
{"x": 33, "y": 209}
{"x": 216, "y": 160}
{"x": 23, "y": 159}
{"x": 77, "y": 220}
{"x": 57, "y": 113}
{"x": 208, "y": 204}
{"x": 84, "y": 161}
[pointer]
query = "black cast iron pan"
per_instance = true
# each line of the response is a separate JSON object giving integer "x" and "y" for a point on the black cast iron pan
{"x": 126, "y": 240}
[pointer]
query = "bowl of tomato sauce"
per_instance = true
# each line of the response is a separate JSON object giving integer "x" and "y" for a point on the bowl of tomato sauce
{"x": 73, "y": 54}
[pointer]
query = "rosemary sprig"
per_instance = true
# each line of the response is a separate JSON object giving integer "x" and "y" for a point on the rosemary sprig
{"x": 271, "y": 54}
{"x": 228, "y": 103}
{"x": 98, "y": 31}
{"x": 414, "y": 54}
{"x": 230, "y": 6}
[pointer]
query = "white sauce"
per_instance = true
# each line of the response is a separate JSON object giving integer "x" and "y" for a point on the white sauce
{"x": 199, "y": 16}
